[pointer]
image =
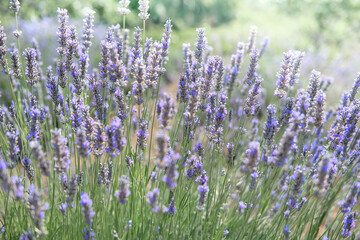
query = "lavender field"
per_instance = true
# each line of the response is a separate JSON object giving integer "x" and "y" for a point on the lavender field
{"x": 113, "y": 139}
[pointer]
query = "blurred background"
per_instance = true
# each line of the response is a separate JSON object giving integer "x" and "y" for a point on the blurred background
{"x": 327, "y": 30}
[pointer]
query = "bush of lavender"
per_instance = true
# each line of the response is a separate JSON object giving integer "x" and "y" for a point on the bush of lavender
{"x": 105, "y": 153}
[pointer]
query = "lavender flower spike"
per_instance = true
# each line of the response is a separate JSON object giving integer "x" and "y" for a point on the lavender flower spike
{"x": 152, "y": 199}
{"x": 284, "y": 76}
{"x": 88, "y": 212}
{"x": 61, "y": 151}
{"x": 349, "y": 222}
{"x": 37, "y": 209}
{"x": 144, "y": 7}
{"x": 123, "y": 193}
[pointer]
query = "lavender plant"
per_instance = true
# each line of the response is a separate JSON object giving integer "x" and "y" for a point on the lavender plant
{"x": 101, "y": 152}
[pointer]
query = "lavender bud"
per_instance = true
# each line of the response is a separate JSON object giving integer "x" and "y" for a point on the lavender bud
{"x": 351, "y": 199}
{"x": 61, "y": 151}
{"x": 144, "y": 8}
{"x": 87, "y": 32}
{"x": 183, "y": 90}
{"x": 31, "y": 69}
{"x": 319, "y": 109}
{"x": 251, "y": 75}
{"x": 322, "y": 174}
{"x": 295, "y": 69}
{"x": 62, "y": 32}
{"x": 162, "y": 148}
{"x": 283, "y": 76}
{"x": 165, "y": 41}
{"x": 40, "y": 157}
{"x": 167, "y": 106}
{"x": 123, "y": 193}
{"x": 152, "y": 199}
{"x": 37, "y": 209}
{"x": 349, "y": 222}
{"x": 123, "y": 9}
{"x": 271, "y": 125}
{"x": 252, "y": 157}
{"x": 139, "y": 84}
{"x": 355, "y": 88}
{"x": 87, "y": 208}
{"x": 3, "y": 50}
{"x": 203, "y": 190}
{"x": 82, "y": 142}
{"x": 28, "y": 169}
{"x": 220, "y": 73}
{"x": 142, "y": 135}
{"x": 172, "y": 208}
{"x": 15, "y": 62}
{"x": 171, "y": 173}
{"x": 252, "y": 39}
{"x": 15, "y": 6}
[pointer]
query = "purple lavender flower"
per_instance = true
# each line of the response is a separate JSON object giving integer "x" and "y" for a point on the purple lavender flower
{"x": 28, "y": 168}
{"x": 251, "y": 75}
{"x": 27, "y": 235}
{"x": 15, "y": 62}
{"x": 251, "y": 105}
{"x": 3, "y": 50}
{"x": 203, "y": 190}
{"x": 286, "y": 232}
{"x": 322, "y": 175}
{"x": 40, "y": 157}
{"x": 76, "y": 115}
{"x": 98, "y": 102}
{"x": 172, "y": 208}
{"x": 219, "y": 118}
{"x": 31, "y": 69}
{"x": 298, "y": 179}
{"x": 171, "y": 173}
{"x": 144, "y": 7}
{"x": 167, "y": 106}
{"x": 295, "y": 66}
{"x": 13, "y": 141}
{"x": 252, "y": 39}
{"x": 15, "y": 6}
{"x": 165, "y": 41}
{"x": 88, "y": 212}
{"x": 355, "y": 88}
{"x": 319, "y": 109}
{"x": 288, "y": 140}
{"x": 123, "y": 193}
{"x": 349, "y": 222}
{"x": 152, "y": 199}
{"x": 87, "y": 32}
{"x": 62, "y": 32}
{"x": 139, "y": 84}
{"x": 271, "y": 124}
{"x": 142, "y": 135}
{"x": 162, "y": 148}
{"x": 283, "y": 76}
{"x": 200, "y": 46}
{"x": 88, "y": 234}
{"x": 194, "y": 167}
{"x": 62, "y": 207}
{"x": 82, "y": 142}
{"x": 72, "y": 47}
{"x": 351, "y": 199}
{"x": 252, "y": 157}
{"x": 61, "y": 151}
{"x": 37, "y": 209}
{"x": 154, "y": 68}
{"x": 136, "y": 51}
